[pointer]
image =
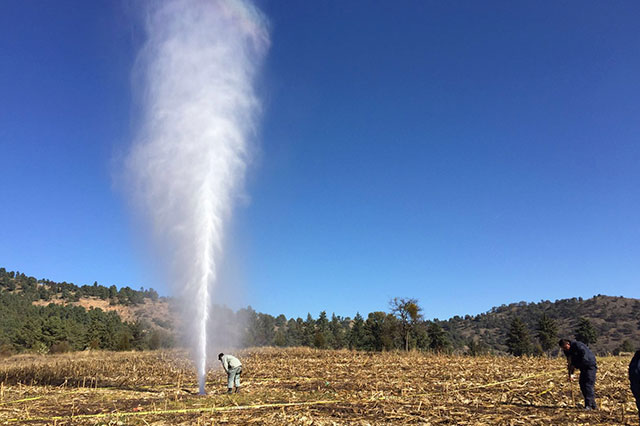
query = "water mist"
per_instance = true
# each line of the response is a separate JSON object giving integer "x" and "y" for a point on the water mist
{"x": 195, "y": 75}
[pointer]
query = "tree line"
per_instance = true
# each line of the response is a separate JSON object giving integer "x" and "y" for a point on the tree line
{"x": 518, "y": 329}
{"x": 402, "y": 328}
{"x": 46, "y": 290}
{"x": 62, "y": 328}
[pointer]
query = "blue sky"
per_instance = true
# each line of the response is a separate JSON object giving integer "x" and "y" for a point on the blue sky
{"x": 467, "y": 154}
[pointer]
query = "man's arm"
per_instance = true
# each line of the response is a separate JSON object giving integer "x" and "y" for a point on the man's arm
{"x": 570, "y": 368}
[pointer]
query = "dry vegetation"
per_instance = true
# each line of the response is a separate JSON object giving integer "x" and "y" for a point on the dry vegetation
{"x": 307, "y": 387}
{"x": 149, "y": 310}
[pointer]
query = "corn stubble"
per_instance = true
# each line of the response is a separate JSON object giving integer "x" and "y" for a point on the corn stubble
{"x": 306, "y": 387}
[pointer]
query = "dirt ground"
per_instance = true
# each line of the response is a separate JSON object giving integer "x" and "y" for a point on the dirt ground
{"x": 307, "y": 387}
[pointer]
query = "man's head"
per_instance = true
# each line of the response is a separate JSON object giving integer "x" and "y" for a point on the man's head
{"x": 565, "y": 344}
{"x": 220, "y": 355}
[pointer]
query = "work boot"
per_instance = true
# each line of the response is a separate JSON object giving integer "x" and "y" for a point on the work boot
{"x": 229, "y": 391}
{"x": 237, "y": 389}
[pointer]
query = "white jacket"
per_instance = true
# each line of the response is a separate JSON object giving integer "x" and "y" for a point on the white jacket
{"x": 229, "y": 362}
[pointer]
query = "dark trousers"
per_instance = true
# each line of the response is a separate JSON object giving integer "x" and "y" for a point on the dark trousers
{"x": 635, "y": 388}
{"x": 587, "y": 382}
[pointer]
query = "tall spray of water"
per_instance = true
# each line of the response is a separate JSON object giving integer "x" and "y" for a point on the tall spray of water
{"x": 199, "y": 109}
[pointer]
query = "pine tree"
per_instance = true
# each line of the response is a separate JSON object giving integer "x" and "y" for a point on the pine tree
{"x": 437, "y": 337}
{"x": 280, "y": 338}
{"x": 322, "y": 337}
{"x": 357, "y": 333}
{"x": 585, "y": 332}
{"x": 265, "y": 330}
{"x": 337, "y": 332}
{"x": 294, "y": 332}
{"x": 518, "y": 340}
{"x": 380, "y": 328}
{"x": 547, "y": 333}
{"x": 308, "y": 331}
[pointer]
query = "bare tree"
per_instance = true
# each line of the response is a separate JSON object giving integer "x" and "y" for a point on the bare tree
{"x": 408, "y": 312}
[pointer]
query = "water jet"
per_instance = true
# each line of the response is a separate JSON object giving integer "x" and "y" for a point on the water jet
{"x": 199, "y": 110}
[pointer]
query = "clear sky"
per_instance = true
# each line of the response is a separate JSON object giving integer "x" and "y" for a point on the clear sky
{"x": 464, "y": 153}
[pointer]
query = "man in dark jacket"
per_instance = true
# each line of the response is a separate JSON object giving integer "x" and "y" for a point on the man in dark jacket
{"x": 579, "y": 356}
{"x": 634, "y": 378}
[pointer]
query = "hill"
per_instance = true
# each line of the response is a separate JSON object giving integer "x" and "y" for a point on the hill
{"x": 615, "y": 319}
{"x": 130, "y": 305}
{"x": 42, "y": 315}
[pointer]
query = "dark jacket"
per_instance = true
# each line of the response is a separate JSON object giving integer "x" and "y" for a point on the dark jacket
{"x": 634, "y": 368}
{"x": 580, "y": 356}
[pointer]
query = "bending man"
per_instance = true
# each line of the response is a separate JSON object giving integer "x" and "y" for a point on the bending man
{"x": 634, "y": 378}
{"x": 233, "y": 368}
{"x": 580, "y": 356}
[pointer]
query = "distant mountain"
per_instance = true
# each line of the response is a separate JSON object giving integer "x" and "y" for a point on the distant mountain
{"x": 615, "y": 319}
{"x": 41, "y": 315}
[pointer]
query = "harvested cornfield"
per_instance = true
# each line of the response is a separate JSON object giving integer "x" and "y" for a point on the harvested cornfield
{"x": 307, "y": 387}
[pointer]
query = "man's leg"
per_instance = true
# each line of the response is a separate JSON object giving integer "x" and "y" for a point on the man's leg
{"x": 237, "y": 381}
{"x": 635, "y": 388}
{"x": 583, "y": 387}
{"x": 231, "y": 378}
{"x": 587, "y": 385}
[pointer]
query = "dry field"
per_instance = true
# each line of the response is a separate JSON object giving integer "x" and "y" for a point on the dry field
{"x": 307, "y": 387}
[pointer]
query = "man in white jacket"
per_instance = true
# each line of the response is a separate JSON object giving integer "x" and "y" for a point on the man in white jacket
{"x": 233, "y": 368}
